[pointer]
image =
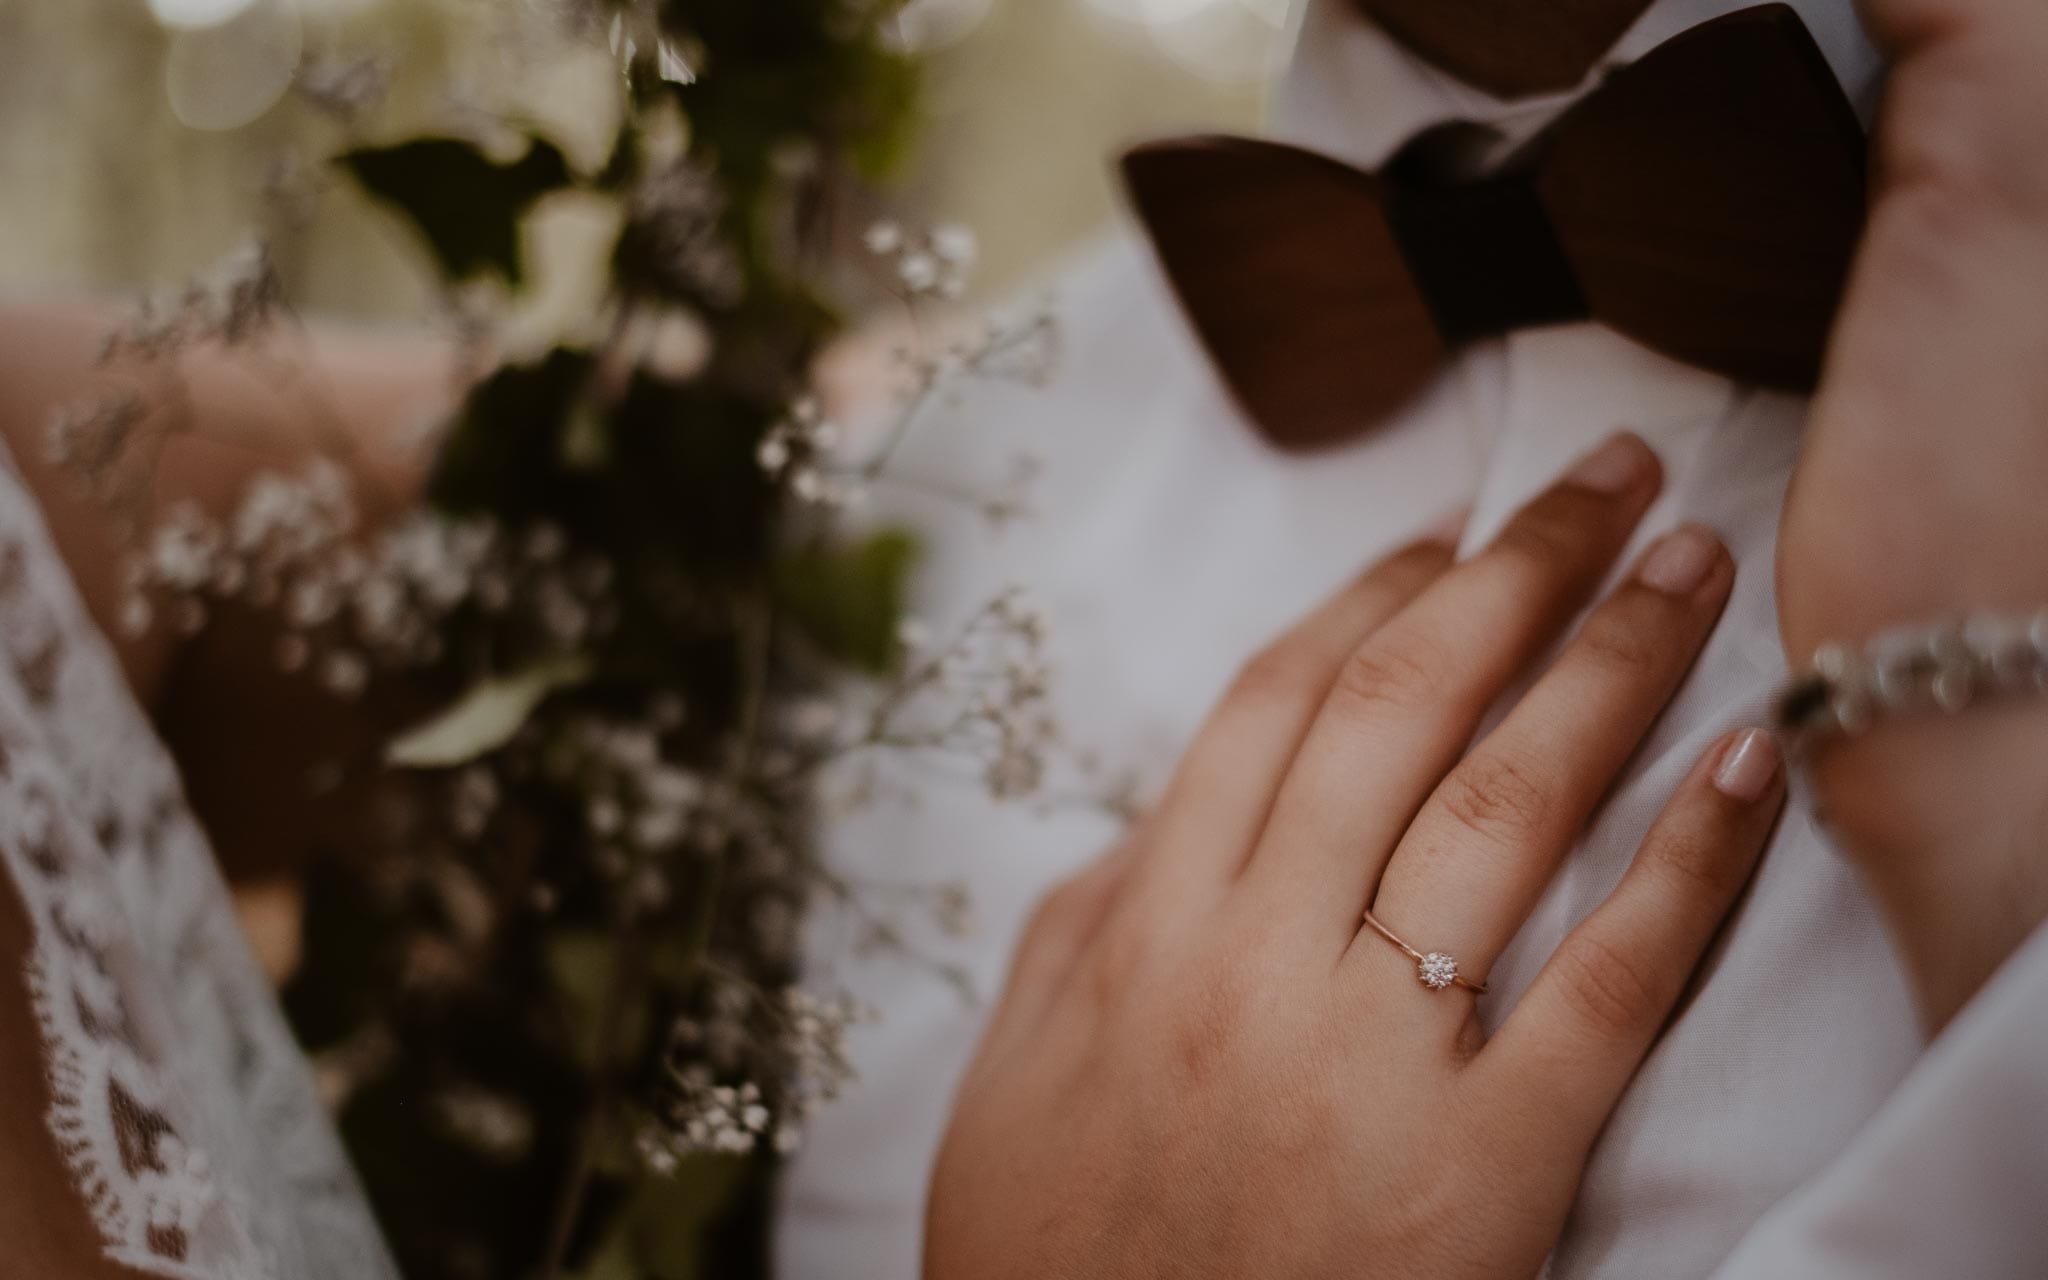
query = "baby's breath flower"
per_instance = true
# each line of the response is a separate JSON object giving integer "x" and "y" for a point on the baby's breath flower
{"x": 919, "y": 271}
{"x": 955, "y": 245}
{"x": 293, "y": 652}
{"x": 344, "y": 674}
{"x": 494, "y": 1124}
{"x": 883, "y": 238}
{"x": 136, "y": 616}
{"x": 233, "y": 303}
{"x": 91, "y": 439}
{"x": 932, "y": 264}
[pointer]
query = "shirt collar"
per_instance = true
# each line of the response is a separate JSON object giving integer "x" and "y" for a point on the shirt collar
{"x": 1354, "y": 93}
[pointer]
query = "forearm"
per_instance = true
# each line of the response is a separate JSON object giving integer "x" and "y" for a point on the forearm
{"x": 1943, "y": 347}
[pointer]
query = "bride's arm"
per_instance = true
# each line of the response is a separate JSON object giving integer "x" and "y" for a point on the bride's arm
{"x": 218, "y": 693}
{"x": 1921, "y": 494}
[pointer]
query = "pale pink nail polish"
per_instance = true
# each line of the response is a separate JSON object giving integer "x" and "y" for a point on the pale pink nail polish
{"x": 1748, "y": 766}
{"x": 1613, "y": 468}
{"x": 1680, "y": 561}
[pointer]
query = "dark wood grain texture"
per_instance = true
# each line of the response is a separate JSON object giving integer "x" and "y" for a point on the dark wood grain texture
{"x": 1288, "y": 271}
{"x": 1706, "y": 201}
{"x": 1712, "y": 200}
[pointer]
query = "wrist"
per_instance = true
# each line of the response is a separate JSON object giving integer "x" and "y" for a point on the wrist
{"x": 1946, "y": 816}
{"x": 1947, "y": 819}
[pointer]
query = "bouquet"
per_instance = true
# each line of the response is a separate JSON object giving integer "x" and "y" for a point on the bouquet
{"x": 551, "y": 985}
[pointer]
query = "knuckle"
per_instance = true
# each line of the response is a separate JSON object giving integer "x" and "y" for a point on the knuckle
{"x": 1407, "y": 570}
{"x": 1054, "y": 909}
{"x": 1950, "y": 182}
{"x": 1697, "y": 865}
{"x": 1281, "y": 672}
{"x": 1496, "y": 797}
{"x": 1121, "y": 957}
{"x": 1056, "y": 916}
{"x": 1212, "y": 1013}
{"x": 1553, "y": 532}
{"x": 1624, "y": 644}
{"x": 1610, "y": 989}
{"x": 1389, "y": 673}
{"x": 1208, "y": 1035}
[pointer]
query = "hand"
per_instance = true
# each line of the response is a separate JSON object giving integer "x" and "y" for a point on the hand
{"x": 1918, "y": 495}
{"x": 214, "y": 694}
{"x": 1204, "y": 1066}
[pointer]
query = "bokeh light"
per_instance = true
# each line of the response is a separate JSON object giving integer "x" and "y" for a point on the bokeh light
{"x": 925, "y": 25}
{"x": 1232, "y": 41}
{"x": 225, "y": 75}
{"x": 196, "y": 13}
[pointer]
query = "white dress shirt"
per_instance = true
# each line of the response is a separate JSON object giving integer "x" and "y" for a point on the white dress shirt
{"x": 1169, "y": 542}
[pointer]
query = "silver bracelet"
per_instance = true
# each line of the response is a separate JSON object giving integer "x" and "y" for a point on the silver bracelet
{"x": 1933, "y": 667}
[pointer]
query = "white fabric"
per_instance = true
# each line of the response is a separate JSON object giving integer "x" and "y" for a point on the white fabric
{"x": 179, "y": 1099}
{"x": 1354, "y": 94}
{"x": 1947, "y": 1180}
{"x": 1170, "y": 543}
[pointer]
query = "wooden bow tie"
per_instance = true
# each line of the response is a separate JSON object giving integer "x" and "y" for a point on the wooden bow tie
{"x": 1706, "y": 201}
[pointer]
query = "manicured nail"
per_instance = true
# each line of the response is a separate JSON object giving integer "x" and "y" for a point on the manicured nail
{"x": 1448, "y": 528}
{"x": 1680, "y": 561}
{"x": 1748, "y": 766}
{"x": 1615, "y": 467}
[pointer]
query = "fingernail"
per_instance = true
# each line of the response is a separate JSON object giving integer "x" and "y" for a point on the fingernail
{"x": 1748, "y": 766}
{"x": 1613, "y": 468}
{"x": 1680, "y": 561}
{"x": 1448, "y": 528}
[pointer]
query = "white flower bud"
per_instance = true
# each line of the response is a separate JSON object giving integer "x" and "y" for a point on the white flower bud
{"x": 919, "y": 271}
{"x": 883, "y": 238}
{"x": 955, "y": 245}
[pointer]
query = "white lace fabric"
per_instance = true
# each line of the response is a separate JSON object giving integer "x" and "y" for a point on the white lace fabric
{"x": 179, "y": 1100}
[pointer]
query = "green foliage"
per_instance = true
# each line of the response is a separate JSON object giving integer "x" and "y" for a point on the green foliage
{"x": 660, "y": 477}
{"x": 467, "y": 206}
{"x": 485, "y": 718}
{"x": 503, "y": 455}
{"x": 849, "y": 599}
{"x": 582, "y": 964}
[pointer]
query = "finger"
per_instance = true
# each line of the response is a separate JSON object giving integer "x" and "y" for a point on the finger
{"x": 1059, "y": 931}
{"x": 1405, "y": 702}
{"x": 1575, "y": 1041}
{"x": 1224, "y": 786}
{"x": 1470, "y": 869}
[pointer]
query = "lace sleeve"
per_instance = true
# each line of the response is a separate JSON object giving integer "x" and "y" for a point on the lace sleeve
{"x": 175, "y": 1096}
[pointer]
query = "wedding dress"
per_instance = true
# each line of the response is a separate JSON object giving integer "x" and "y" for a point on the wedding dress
{"x": 178, "y": 1118}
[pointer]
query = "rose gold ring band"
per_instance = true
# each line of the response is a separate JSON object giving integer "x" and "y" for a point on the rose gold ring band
{"x": 1435, "y": 970}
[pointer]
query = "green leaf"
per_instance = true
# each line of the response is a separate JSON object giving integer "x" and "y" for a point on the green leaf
{"x": 486, "y": 717}
{"x": 665, "y": 1231}
{"x": 504, "y": 454}
{"x": 466, "y": 205}
{"x": 586, "y": 438}
{"x": 672, "y": 1216}
{"x": 583, "y": 964}
{"x": 850, "y": 598}
{"x": 615, "y": 1259}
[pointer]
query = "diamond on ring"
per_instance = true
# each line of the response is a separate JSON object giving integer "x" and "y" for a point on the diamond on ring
{"x": 1436, "y": 970}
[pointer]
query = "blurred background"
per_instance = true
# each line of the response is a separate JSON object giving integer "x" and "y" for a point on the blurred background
{"x": 141, "y": 140}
